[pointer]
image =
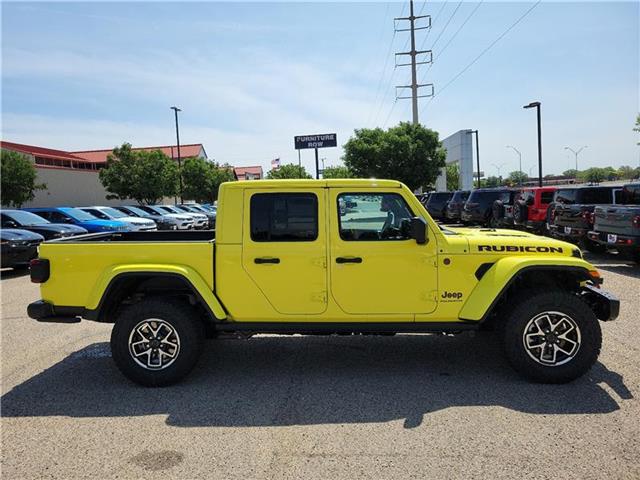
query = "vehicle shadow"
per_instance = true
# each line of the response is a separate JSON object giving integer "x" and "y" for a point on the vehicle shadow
{"x": 615, "y": 263}
{"x": 6, "y": 273}
{"x": 277, "y": 381}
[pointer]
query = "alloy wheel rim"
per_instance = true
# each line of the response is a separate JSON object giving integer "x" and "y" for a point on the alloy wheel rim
{"x": 552, "y": 338}
{"x": 154, "y": 344}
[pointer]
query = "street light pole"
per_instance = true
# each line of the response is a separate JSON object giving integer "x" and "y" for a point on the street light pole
{"x": 536, "y": 105}
{"x": 176, "y": 110}
{"x": 499, "y": 167}
{"x": 477, "y": 153}
{"x": 576, "y": 153}
{"x": 519, "y": 162}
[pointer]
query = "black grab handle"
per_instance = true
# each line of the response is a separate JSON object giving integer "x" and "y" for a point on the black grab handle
{"x": 348, "y": 260}
{"x": 262, "y": 260}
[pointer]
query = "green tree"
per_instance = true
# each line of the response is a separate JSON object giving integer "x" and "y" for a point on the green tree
{"x": 453, "y": 177}
{"x": 18, "y": 179}
{"x": 637, "y": 127}
{"x": 571, "y": 173}
{"x": 593, "y": 175}
{"x": 288, "y": 171}
{"x": 492, "y": 182}
{"x": 145, "y": 176}
{"x": 338, "y": 171}
{"x": 201, "y": 179}
{"x": 517, "y": 178}
{"x": 409, "y": 153}
{"x": 626, "y": 172}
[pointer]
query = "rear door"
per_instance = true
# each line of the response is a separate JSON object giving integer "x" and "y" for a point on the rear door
{"x": 284, "y": 248}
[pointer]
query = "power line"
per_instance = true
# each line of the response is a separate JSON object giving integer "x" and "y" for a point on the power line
{"x": 453, "y": 36}
{"x": 384, "y": 68}
{"x": 483, "y": 52}
{"x": 446, "y": 24}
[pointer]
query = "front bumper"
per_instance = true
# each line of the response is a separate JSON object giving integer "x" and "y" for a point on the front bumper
{"x": 18, "y": 255}
{"x": 46, "y": 312}
{"x": 605, "y": 305}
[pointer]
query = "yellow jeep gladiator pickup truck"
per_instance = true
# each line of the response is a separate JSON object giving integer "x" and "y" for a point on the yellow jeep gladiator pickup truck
{"x": 324, "y": 257}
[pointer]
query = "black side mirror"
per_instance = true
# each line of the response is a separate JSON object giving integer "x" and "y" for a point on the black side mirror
{"x": 419, "y": 230}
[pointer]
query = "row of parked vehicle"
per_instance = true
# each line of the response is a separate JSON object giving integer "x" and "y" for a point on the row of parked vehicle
{"x": 23, "y": 230}
{"x": 598, "y": 218}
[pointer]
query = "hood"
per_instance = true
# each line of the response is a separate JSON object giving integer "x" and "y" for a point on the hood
{"x": 513, "y": 242}
{"x": 137, "y": 220}
{"x": 179, "y": 216}
{"x": 7, "y": 234}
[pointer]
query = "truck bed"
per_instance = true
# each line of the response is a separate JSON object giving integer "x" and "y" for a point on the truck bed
{"x": 157, "y": 236}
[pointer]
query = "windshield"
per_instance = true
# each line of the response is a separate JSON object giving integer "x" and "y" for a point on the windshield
{"x": 169, "y": 208}
{"x": 26, "y": 218}
{"x": 78, "y": 214}
{"x": 113, "y": 213}
{"x": 138, "y": 211}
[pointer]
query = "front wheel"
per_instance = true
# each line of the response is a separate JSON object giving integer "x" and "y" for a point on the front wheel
{"x": 551, "y": 337}
{"x": 157, "y": 342}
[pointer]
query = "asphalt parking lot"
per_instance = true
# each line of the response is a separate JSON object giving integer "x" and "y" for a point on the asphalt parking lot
{"x": 316, "y": 407}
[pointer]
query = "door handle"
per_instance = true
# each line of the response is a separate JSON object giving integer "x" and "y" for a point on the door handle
{"x": 348, "y": 260}
{"x": 262, "y": 260}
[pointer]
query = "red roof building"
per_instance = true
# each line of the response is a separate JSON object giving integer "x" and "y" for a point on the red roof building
{"x": 248, "y": 173}
{"x": 186, "y": 151}
{"x": 50, "y": 158}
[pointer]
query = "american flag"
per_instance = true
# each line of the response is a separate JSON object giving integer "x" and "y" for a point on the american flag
{"x": 275, "y": 164}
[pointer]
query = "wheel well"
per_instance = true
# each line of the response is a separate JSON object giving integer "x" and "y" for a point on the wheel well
{"x": 128, "y": 289}
{"x": 559, "y": 278}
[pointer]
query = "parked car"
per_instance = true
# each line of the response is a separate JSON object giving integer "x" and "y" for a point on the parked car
{"x": 110, "y": 213}
{"x": 437, "y": 204}
{"x": 183, "y": 221}
{"x": 502, "y": 209}
{"x": 34, "y": 223}
{"x": 164, "y": 222}
{"x": 618, "y": 226}
{"x": 75, "y": 216}
{"x": 278, "y": 260}
{"x": 18, "y": 247}
{"x": 200, "y": 220}
{"x": 478, "y": 209}
{"x": 572, "y": 210}
{"x": 195, "y": 208}
{"x": 531, "y": 207}
{"x": 454, "y": 207}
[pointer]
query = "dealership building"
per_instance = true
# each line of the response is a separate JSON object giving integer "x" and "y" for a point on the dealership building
{"x": 72, "y": 177}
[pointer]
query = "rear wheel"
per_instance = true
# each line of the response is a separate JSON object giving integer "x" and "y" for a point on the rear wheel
{"x": 157, "y": 342}
{"x": 551, "y": 337}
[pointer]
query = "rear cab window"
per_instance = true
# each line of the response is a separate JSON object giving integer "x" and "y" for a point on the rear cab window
{"x": 284, "y": 217}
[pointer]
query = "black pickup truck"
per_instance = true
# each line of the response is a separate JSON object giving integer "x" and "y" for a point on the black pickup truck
{"x": 618, "y": 226}
{"x": 572, "y": 213}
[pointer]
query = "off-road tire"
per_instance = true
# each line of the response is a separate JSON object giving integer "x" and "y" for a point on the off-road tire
{"x": 520, "y": 212}
{"x": 527, "y": 307}
{"x": 181, "y": 317}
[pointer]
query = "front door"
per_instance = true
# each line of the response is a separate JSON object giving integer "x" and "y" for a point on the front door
{"x": 284, "y": 248}
{"x": 375, "y": 267}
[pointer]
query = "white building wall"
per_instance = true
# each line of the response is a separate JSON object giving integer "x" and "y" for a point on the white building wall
{"x": 459, "y": 148}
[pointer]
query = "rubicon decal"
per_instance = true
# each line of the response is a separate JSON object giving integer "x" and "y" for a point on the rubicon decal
{"x": 519, "y": 248}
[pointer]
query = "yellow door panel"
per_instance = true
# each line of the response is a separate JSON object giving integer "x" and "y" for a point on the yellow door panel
{"x": 374, "y": 268}
{"x": 284, "y": 248}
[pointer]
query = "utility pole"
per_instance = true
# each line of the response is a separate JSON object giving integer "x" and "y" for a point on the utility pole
{"x": 413, "y": 53}
{"x": 176, "y": 110}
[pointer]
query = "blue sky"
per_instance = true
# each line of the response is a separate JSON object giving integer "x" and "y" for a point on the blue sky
{"x": 250, "y": 76}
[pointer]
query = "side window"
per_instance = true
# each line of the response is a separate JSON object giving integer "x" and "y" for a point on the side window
{"x": 374, "y": 217}
{"x": 57, "y": 217}
{"x": 97, "y": 213}
{"x": 546, "y": 197}
{"x": 284, "y": 217}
